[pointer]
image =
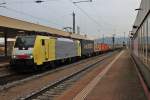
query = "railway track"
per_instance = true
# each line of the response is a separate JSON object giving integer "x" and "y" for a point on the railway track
{"x": 31, "y": 84}
{"x": 12, "y": 79}
{"x": 56, "y": 88}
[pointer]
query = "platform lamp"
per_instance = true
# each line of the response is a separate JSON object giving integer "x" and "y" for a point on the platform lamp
{"x": 135, "y": 26}
{"x": 82, "y": 1}
{"x": 39, "y": 1}
{"x": 138, "y": 9}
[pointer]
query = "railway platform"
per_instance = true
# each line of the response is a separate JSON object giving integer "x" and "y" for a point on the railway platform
{"x": 119, "y": 80}
{"x": 4, "y": 61}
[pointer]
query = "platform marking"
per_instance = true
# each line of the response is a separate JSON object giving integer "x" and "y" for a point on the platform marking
{"x": 83, "y": 94}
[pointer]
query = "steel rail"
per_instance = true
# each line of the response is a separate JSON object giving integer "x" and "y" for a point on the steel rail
{"x": 35, "y": 76}
{"x": 55, "y": 84}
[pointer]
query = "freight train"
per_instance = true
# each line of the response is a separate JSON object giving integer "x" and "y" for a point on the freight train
{"x": 38, "y": 50}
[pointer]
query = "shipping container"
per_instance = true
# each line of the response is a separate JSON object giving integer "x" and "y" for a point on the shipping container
{"x": 87, "y": 47}
{"x": 101, "y": 47}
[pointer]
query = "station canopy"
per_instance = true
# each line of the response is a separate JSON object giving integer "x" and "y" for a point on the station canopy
{"x": 14, "y": 27}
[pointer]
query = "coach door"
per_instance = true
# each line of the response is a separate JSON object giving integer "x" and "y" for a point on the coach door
{"x": 44, "y": 49}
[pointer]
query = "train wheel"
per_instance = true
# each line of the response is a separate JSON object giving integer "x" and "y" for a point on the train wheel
{"x": 37, "y": 67}
{"x": 52, "y": 65}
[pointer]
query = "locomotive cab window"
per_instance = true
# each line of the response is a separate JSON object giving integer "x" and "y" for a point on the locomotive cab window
{"x": 25, "y": 41}
{"x": 43, "y": 42}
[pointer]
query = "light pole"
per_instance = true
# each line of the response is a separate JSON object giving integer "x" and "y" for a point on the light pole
{"x": 78, "y": 30}
{"x": 74, "y": 22}
{"x": 73, "y": 14}
{"x": 113, "y": 40}
{"x": 103, "y": 39}
{"x": 124, "y": 36}
{"x": 124, "y": 41}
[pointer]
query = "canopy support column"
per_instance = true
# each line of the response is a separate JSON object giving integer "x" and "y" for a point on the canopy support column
{"x": 5, "y": 41}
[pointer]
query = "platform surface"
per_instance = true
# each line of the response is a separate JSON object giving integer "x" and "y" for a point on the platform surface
{"x": 4, "y": 61}
{"x": 120, "y": 83}
{"x": 115, "y": 79}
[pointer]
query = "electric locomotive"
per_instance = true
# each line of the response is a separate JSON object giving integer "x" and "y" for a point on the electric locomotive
{"x": 38, "y": 50}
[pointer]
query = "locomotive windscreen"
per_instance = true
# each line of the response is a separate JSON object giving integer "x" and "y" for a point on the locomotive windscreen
{"x": 25, "y": 41}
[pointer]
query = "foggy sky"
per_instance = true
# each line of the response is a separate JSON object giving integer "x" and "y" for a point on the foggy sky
{"x": 106, "y": 16}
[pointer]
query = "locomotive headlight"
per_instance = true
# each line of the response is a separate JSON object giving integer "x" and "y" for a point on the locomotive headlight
{"x": 14, "y": 56}
{"x": 31, "y": 56}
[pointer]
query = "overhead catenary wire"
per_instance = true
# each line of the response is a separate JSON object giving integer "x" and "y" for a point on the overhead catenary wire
{"x": 104, "y": 21}
{"x": 5, "y": 5}
{"x": 91, "y": 17}
{"x": 26, "y": 1}
{"x": 29, "y": 15}
{"x": 88, "y": 15}
{"x": 20, "y": 12}
{"x": 84, "y": 12}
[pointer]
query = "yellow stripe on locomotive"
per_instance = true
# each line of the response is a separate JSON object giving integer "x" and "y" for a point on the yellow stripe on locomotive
{"x": 44, "y": 50}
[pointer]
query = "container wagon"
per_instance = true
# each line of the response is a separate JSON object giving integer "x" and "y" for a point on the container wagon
{"x": 101, "y": 48}
{"x": 87, "y": 48}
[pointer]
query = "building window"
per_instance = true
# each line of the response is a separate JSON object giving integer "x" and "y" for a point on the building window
{"x": 145, "y": 41}
{"x": 148, "y": 46}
